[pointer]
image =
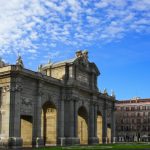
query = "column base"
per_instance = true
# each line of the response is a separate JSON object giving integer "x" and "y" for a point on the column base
{"x": 113, "y": 140}
{"x": 72, "y": 141}
{"x": 93, "y": 140}
{"x": 61, "y": 141}
{"x": 37, "y": 142}
{"x": 15, "y": 142}
{"x": 3, "y": 142}
{"x": 105, "y": 140}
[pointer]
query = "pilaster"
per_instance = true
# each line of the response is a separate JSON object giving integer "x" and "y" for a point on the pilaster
{"x": 93, "y": 124}
{"x": 61, "y": 138}
{"x": 104, "y": 132}
{"x": 113, "y": 136}
{"x": 72, "y": 138}
{"x": 37, "y": 137}
{"x": 15, "y": 103}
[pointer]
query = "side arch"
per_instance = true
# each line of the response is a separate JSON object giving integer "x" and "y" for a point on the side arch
{"x": 109, "y": 127}
{"x": 108, "y": 133}
{"x": 49, "y": 123}
{"x": 83, "y": 125}
{"x": 47, "y": 98}
{"x": 99, "y": 126}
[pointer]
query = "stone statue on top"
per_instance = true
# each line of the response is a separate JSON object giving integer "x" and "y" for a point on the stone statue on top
{"x": 19, "y": 61}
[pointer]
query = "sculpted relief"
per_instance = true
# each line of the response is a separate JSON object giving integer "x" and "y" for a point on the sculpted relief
{"x": 83, "y": 77}
{"x": 26, "y": 106}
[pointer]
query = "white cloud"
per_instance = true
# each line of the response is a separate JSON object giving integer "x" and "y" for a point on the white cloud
{"x": 31, "y": 26}
{"x": 102, "y": 4}
{"x": 142, "y": 5}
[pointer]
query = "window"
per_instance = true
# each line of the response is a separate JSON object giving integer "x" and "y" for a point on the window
{"x": 132, "y": 108}
{"x": 132, "y": 120}
{"x": 121, "y": 128}
{"x": 144, "y": 128}
{"x": 127, "y": 128}
{"x": 138, "y": 127}
{"x": 144, "y": 107}
{"x": 148, "y": 107}
{"x": 138, "y": 120}
{"x": 123, "y": 108}
{"x": 145, "y": 120}
{"x": 118, "y": 108}
{"x": 133, "y": 114}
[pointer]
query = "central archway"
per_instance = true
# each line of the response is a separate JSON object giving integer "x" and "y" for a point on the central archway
{"x": 83, "y": 125}
{"x": 49, "y": 123}
{"x": 99, "y": 126}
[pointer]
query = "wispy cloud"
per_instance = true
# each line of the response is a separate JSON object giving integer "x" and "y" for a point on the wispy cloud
{"x": 28, "y": 26}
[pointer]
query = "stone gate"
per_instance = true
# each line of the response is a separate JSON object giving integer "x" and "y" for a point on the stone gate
{"x": 58, "y": 105}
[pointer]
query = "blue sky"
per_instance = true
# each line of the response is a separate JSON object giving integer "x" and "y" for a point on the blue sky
{"x": 115, "y": 32}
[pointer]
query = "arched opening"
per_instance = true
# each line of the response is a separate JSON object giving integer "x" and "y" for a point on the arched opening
{"x": 83, "y": 125}
{"x": 99, "y": 126}
{"x": 49, "y": 124}
{"x": 26, "y": 130}
{"x": 108, "y": 133}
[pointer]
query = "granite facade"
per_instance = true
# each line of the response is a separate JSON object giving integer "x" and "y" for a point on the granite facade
{"x": 58, "y": 105}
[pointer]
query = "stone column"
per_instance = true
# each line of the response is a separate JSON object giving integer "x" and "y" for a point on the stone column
{"x": 71, "y": 118}
{"x": 104, "y": 132}
{"x": 37, "y": 137}
{"x": 72, "y": 139}
{"x": 61, "y": 138}
{"x": 15, "y": 103}
{"x": 75, "y": 119}
{"x": 91, "y": 121}
{"x": 95, "y": 120}
{"x": 93, "y": 124}
{"x": 113, "y": 138}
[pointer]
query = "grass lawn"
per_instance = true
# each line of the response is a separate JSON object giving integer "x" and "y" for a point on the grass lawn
{"x": 102, "y": 147}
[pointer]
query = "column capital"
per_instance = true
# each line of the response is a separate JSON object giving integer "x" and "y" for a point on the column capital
{"x": 6, "y": 88}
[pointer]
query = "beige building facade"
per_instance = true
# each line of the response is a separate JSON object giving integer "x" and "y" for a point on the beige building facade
{"x": 133, "y": 120}
{"x": 60, "y": 104}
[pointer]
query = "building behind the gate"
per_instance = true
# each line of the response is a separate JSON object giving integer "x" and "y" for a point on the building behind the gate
{"x": 133, "y": 120}
{"x": 59, "y": 104}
